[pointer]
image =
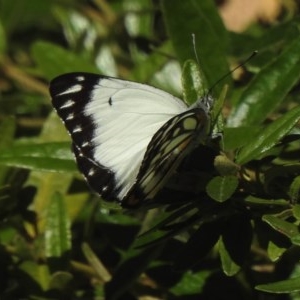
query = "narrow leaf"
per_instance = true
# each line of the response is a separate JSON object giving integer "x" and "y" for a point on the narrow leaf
{"x": 57, "y": 228}
{"x": 288, "y": 229}
{"x": 191, "y": 283}
{"x": 7, "y": 133}
{"x": 269, "y": 136}
{"x": 268, "y": 88}
{"x": 281, "y": 287}
{"x": 3, "y": 42}
{"x": 44, "y": 156}
{"x": 230, "y": 268}
{"x": 96, "y": 263}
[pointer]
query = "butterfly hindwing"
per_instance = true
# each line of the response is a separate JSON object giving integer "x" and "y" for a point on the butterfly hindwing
{"x": 168, "y": 147}
{"x": 112, "y": 122}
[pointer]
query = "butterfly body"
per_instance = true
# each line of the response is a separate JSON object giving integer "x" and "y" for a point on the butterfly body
{"x": 127, "y": 137}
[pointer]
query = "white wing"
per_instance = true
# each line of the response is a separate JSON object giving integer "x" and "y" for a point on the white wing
{"x": 111, "y": 122}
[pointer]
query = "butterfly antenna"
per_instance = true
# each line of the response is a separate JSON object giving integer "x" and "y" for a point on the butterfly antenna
{"x": 231, "y": 71}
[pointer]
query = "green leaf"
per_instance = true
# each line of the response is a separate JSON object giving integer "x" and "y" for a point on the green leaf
{"x": 3, "y": 45}
{"x": 39, "y": 273}
{"x": 236, "y": 137}
{"x": 221, "y": 188}
{"x": 274, "y": 251}
{"x": 184, "y": 18}
{"x": 193, "y": 82}
{"x": 268, "y": 89}
{"x": 53, "y": 60}
{"x": 17, "y": 15}
{"x": 269, "y": 136}
{"x": 288, "y": 229}
{"x": 44, "y": 156}
{"x": 294, "y": 190}
{"x": 60, "y": 280}
{"x": 266, "y": 202}
{"x": 230, "y": 268}
{"x": 96, "y": 263}
{"x": 7, "y": 132}
{"x": 217, "y": 119}
{"x": 296, "y": 210}
{"x": 191, "y": 283}
{"x": 57, "y": 228}
{"x": 281, "y": 287}
{"x": 296, "y": 239}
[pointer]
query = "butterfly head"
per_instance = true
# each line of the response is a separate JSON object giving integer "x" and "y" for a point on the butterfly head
{"x": 206, "y": 103}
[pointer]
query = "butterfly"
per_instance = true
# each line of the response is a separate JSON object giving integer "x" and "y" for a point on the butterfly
{"x": 127, "y": 137}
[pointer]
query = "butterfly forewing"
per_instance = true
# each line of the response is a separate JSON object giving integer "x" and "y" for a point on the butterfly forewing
{"x": 111, "y": 122}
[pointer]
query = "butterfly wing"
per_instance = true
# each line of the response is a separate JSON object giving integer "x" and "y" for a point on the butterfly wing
{"x": 111, "y": 122}
{"x": 171, "y": 143}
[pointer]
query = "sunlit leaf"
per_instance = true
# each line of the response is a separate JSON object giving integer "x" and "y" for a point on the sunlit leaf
{"x": 43, "y": 156}
{"x": 268, "y": 89}
{"x": 193, "y": 82}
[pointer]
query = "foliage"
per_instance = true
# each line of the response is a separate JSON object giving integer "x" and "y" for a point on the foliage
{"x": 228, "y": 218}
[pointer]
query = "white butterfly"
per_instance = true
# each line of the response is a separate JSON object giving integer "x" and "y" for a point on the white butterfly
{"x": 127, "y": 137}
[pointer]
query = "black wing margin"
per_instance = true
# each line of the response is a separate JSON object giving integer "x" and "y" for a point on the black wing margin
{"x": 70, "y": 94}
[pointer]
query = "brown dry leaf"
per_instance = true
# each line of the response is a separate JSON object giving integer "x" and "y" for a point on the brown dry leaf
{"x": 239, "y": 14}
